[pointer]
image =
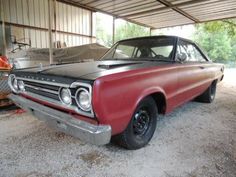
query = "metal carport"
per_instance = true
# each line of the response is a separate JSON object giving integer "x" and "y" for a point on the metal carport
{"x": 162, "y": 13}
{"x": 153, "y": 14}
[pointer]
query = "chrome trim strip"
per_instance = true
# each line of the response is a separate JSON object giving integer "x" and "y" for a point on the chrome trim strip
{"x": 76, "y": 84}
{"x": 41, "y": 89}
{"x": 43, "y": 82}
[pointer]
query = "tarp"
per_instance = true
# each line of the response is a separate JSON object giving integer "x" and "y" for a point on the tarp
{"x": 34, "y": 57}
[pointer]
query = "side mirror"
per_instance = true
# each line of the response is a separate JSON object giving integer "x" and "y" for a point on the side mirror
{"x": 181, "y": 57}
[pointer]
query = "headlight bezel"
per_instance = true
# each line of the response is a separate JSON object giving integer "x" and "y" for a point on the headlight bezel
{"x": 11, "y": 79}
{"x": 75, "y": 88}
{"x": 88, "y": 86}
{"x": 78, "y": 91}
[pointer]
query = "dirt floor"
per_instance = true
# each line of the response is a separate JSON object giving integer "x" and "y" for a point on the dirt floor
{"x": 195, "y": 140}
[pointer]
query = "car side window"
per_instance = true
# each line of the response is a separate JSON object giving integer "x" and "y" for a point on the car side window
{"x": 165, "y": 51}
{"x": 182, "y": 49}
{"x": 124, "y": 51}
{"x": 192, "y": 53}
{"x": 198, "y": 55}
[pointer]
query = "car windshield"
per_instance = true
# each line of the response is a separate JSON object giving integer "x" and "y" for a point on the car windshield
{"x": 156, "y": 48}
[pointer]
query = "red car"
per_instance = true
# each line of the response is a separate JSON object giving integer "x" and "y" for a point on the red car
{"x": 121, "y": 95}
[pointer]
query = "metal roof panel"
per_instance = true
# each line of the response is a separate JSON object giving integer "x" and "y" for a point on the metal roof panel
{"x": 162, "y": 13}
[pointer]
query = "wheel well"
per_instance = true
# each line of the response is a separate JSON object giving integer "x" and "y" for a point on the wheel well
{"x": 160, "y": 102}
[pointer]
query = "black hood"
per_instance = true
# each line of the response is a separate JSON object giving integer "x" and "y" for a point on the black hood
{"x": 89, "y": 70}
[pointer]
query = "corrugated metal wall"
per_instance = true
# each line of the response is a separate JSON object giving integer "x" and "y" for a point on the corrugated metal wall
{"x": 29, "y": 22}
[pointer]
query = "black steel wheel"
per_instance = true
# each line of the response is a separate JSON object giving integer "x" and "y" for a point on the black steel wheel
{"x": 141, "y": 126}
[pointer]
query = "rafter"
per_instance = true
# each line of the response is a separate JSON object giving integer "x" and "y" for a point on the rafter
{"x": 171, "y": 6}
{"x": 177, "y": 9}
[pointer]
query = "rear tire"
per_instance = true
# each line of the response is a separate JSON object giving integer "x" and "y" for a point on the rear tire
{"x": 209, "y": 95}
{"x": 141, "y": 126}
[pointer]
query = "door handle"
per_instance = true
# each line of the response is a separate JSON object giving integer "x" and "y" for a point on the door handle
{"x": 202, "y": 67}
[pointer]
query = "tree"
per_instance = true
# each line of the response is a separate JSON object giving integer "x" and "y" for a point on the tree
{"x": 228, "y": 26}
{"x": 130, "y": 30}
{"x": 123, "y": 30}
{"x": 218, "y": 38}
{"x": 103, "y": 36}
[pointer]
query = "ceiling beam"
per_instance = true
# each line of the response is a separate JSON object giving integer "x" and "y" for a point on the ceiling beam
{"x": 133, "y": 18}
{"x": 171, "y": 6}
{"x": 191, "y": 23}
{"x": 177, "y": 9}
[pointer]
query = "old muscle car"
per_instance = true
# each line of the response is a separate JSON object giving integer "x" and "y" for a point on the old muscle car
{"x": 122, "y": 94}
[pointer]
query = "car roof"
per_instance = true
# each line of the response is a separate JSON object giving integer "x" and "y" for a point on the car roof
{"x": 157, "y": 36}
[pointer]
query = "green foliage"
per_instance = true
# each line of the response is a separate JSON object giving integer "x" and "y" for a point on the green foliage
{"x": 228, "y": 26}
{"x": 130, "y": 30}
{"x": 102, "y": 35}
{"x": 218, "y": 39}
{"x": 123, "y": 31}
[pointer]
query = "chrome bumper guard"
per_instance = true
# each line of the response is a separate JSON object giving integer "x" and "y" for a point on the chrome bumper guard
{"x": 94, "y": 134}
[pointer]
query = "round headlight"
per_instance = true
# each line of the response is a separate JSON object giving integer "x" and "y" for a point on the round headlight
{"x": 21, "y": 85}
{"x": 15, "y": 84}
{"x": 65, "y": 96}
{"x": 83, "y": 99}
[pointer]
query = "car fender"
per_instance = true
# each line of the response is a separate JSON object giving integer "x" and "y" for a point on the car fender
{"x": 147, "y": 92}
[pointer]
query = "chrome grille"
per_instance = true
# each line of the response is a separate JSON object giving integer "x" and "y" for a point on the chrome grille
{"x": 45, "y": 90}
{"x": 49, "y": 92}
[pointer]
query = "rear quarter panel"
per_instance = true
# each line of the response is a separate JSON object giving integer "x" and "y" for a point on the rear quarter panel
{"x": 193, "y": 79}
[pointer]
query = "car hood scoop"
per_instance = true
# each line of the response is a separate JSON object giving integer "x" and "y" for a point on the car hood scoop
{"x": 112, "y": 66}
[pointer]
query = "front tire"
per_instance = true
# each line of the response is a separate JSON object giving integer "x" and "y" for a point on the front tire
{"x": 141, "y": 126}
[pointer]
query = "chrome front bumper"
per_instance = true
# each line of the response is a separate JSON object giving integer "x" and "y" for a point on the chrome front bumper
{"x": 94, "y": 134}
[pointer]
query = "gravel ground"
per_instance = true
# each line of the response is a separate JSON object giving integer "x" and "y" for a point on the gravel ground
{"x": 195, "y": 140}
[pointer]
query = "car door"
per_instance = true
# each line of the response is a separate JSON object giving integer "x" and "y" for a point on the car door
{"x": 193, "y": 73}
